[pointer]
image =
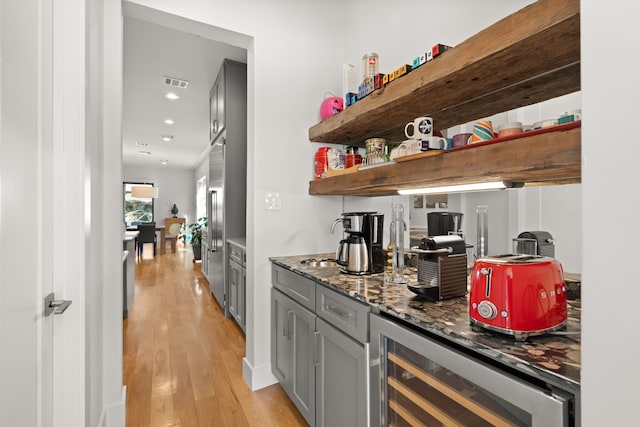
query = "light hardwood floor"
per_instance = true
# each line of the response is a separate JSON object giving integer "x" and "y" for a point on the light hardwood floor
{"x": 183, "y": 359}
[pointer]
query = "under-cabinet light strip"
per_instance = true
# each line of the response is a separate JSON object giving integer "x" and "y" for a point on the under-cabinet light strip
{"x": 480, "y": 186}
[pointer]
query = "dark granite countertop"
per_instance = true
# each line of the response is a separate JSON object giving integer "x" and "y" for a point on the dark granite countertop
{"x": 552, "y": 358}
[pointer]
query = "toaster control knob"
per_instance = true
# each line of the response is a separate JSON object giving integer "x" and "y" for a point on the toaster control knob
{"x": 487, "y": 310}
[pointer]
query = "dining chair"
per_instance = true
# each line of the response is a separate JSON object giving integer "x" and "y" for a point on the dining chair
{"x": 172, "y": 226}
{"x": 147, "y": 235}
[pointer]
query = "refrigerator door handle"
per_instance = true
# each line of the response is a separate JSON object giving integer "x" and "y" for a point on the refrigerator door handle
{"x": 214, "y": 212}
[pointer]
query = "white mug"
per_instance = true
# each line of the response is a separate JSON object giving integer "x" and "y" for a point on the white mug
{"x": 410, "y": 146}
{"x": 422, "y": 128}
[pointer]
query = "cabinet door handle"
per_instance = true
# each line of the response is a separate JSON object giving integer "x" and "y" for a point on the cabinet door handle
{"x": 317, "y": 354}
{"x": 333, "y": 309}
{"x": 285, "y": 325}
{"x": 289, "y": 324}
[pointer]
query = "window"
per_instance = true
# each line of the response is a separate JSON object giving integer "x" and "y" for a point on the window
{"x": 136, "y": 210}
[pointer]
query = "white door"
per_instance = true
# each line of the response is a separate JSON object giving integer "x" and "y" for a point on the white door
{"x": 41, "y": 212}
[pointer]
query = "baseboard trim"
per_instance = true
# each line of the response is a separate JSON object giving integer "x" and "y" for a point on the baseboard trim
{"x": 114, "y": 415}
{"x": 257, "y": 377}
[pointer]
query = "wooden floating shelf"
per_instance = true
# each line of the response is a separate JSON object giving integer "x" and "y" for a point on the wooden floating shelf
{"x": 530, "y": 56}
{"x": 544, "y": 159}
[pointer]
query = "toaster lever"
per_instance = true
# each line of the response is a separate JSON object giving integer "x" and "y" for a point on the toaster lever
{"x": 487, "y": 273}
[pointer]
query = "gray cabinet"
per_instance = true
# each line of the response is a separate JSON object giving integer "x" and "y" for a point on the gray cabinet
{"x": 280, "y": 346}
{"x": 217, "y": 106}
{"x": 341, "y": 378}
{"x": 320, "y": 350}
{"x": 349, "y": 316}
{"x": 236, "y": 274}
{"x": 292, "y": 352}
{"x": 295, "y": 286}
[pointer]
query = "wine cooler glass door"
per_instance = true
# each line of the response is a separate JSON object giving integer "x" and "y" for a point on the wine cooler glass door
{"x": 421, "y": 382}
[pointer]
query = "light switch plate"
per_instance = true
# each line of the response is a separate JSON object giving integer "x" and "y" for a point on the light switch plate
{"x": 272, "y": 201}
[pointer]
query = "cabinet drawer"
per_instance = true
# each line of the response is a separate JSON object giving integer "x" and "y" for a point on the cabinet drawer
{"x": 344, "y": 313}
{"x": 297, "y": 287}
{"x": 236, "y": 253}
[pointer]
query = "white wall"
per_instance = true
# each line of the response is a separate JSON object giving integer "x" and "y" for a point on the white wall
{"x": 201, "y": 170}
{"x": 610, "y": 291}
{"x": 558, "y": 210}
{"x": 176, "y": 185}
{"x": 401, "y": 31}
{"x": 105, "y": 399}
{"x": 21, "y": 366}
{"x": 95, "y": 353}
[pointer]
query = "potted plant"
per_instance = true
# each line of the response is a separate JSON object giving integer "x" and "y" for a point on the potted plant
{"x": 195, "y": 231}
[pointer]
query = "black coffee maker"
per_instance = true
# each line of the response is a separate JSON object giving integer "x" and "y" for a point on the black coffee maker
{"x": 361, "y": 252}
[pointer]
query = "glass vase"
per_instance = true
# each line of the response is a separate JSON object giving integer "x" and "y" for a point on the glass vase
{"x": 482, "y": 213}
{"x": 397, "y": 229}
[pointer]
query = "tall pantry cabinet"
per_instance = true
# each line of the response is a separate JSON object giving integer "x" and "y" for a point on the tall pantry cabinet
{"x": 227, "y": 178}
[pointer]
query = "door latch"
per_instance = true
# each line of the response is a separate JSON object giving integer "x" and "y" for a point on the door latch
{"x": 53, "y": 306}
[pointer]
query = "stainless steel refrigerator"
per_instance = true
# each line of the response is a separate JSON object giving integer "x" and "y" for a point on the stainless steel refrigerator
{"x": 227, "y": 179}
{"x": 215, "y": 213}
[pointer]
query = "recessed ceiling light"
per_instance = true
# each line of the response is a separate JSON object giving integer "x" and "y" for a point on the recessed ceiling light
{"x": 142, "y": 144}
{"x": 167, "y": 138}
{"x": 164, "y": 162}
{"x": 144, "y": 152}
{"x": 172, "y": 96}
{"x": 169, "y": 121}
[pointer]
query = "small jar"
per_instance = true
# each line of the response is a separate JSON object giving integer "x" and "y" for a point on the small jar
{"x": 374, "y": 145}
{"x": 370, "y": 66}
{"x": 352, "y": 157}
{"x": 321, "y": 162}
{"x": 335, "y": 159}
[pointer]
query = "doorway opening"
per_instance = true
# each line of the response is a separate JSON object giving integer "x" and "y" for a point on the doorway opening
{"x": 179, "y": 139}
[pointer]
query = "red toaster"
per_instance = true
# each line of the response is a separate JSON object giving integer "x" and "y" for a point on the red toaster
{"x": 519, "y": 295}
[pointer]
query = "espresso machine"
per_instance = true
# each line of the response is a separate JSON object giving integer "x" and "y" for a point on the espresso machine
{"x": 361, "y": 252}
{"x": 442, "y": 258}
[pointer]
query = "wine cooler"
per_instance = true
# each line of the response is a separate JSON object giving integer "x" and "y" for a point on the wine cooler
{"x": 420, "y": 382}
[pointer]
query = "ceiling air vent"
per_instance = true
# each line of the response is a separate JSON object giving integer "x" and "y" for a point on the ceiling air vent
{"x": 173, "y": 82}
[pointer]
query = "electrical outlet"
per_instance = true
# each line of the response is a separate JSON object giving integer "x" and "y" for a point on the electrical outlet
{"x": 272, "y": 201}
